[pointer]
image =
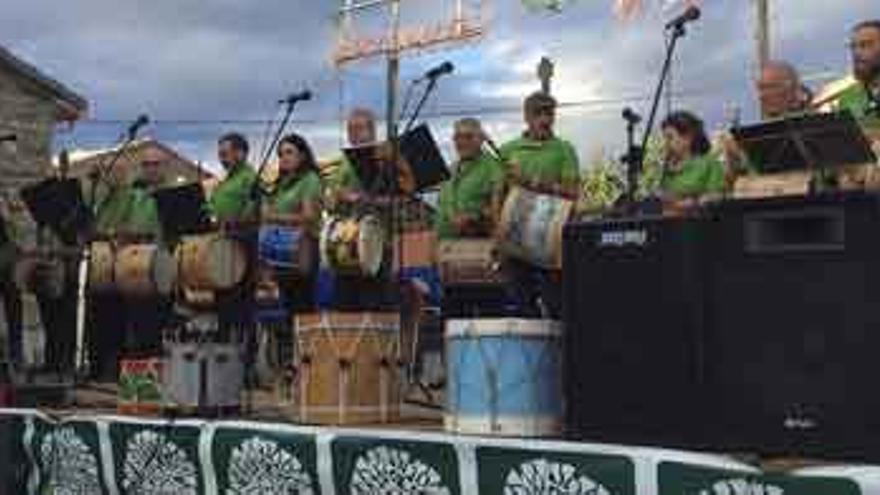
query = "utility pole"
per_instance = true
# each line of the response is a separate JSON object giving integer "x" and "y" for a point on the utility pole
{"x": 762, "y": 31}
{"x": 393, "y": 71}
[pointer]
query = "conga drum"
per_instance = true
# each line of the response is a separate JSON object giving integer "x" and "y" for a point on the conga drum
{"x": 531, "y": 227}
{"x": 504, "y": 377}
{"x": 353, "y": 246}
{"x": 145, "y": 270}
{"x": 288, "y": 251}
{"x": 347, "y": 368}
{"x": 211, "y": 262}
{"x": 101, "y": 266}
{"x": 471, "y": 262}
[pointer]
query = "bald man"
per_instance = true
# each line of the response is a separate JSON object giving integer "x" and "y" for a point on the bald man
{"x": 781, "y": 91}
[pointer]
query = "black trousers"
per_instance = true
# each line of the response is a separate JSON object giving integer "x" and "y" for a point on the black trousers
{"x": 59, "y": 320}
{"x": 13, "y": 309}
{"x": 536, "y": 292}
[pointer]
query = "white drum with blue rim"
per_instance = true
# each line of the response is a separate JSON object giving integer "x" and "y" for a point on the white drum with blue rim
{"x": 504, "y": 376}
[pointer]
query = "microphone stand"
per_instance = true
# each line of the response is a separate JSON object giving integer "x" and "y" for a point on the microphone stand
{"x": 428, "y": 91}
{"x": 635, "y": 157}
{"x": 257, "y": 195}
{"x": 100, "y": 174}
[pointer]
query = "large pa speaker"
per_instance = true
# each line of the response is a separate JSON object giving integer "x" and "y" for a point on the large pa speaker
{"x": 795, "y": 310}
{"x": 633, "y": 310}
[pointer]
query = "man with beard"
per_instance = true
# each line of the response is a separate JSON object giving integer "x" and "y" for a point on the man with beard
{"x": 863, "y": 99}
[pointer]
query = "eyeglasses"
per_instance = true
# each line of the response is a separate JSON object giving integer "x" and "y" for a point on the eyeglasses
{"x": 151, "y": 163}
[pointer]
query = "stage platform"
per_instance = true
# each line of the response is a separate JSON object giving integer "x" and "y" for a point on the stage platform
{"x": 89, "y": 452}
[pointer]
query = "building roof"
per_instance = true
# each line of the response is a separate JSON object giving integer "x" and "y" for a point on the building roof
{"x": 79, "y": 158}
{"x": 72, "y": 105}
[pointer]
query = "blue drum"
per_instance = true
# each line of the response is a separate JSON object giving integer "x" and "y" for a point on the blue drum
{"x": 505, "y": 377}
{"x": 288, "y": 250}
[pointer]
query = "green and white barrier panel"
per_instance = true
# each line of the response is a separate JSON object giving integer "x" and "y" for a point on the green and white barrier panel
{"x": 112, "y": 455}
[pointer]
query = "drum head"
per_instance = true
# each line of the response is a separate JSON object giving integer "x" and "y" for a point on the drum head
{"x": 371, "y": 245}
{"x": 164, "y": 271}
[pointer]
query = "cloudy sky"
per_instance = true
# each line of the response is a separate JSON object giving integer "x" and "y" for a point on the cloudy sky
{"x": 203, "y": 67}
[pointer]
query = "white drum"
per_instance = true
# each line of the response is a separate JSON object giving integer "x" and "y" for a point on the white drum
{"x": 504, "y": 377}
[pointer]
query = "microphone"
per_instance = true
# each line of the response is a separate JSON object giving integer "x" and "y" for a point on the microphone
{"x": 691, "y": 14}
{"x": 631, "y": 116}
{"x": 135, "y": 126}
{"x": 304, "y": 95}
{"x": 438, "y": 71}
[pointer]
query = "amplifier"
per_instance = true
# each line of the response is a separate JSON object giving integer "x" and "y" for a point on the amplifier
{"x": 634, "y": 321}
{"x": 795, "y": 314}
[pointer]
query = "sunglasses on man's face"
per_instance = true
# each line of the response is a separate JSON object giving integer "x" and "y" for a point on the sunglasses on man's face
{"x": 151, "y": 163}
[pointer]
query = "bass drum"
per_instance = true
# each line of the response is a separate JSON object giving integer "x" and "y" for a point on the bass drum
{"x": 531, "y": 227}
{"x": 145, "y": 270}
{"x": 353, "y": 246}
{"x": 101, "y": 267}
{"x": 211, "y": 262}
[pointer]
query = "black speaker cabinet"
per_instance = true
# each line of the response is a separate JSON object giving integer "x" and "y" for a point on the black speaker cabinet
{"x": 794, "y": 346}
{"x": 634, "y": 318}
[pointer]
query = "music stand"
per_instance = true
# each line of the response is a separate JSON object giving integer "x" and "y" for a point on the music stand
{"x": 59, "y": 205}
{"x": 807, "y": 142}
{"x": 182, "y": 210}
{"x": 420, "y": 152}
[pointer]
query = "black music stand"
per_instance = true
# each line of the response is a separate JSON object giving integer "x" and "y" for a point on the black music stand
{"x": 807, "y": 142}
{"x": 421, "y": 153}
{"x": 182, "y": 210}
{"x": 59, "y": 205}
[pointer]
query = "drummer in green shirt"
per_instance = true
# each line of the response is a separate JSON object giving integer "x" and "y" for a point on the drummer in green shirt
{"x": 470, "y": 200}
{"x": 691, "y": 172}
{"x": 295, "y": 200}
{"x": 539, "y": 159}
{"x": 863, "y": 99}
{"x": 232, "y": 201}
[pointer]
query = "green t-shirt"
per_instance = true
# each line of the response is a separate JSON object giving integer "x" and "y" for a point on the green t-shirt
{"x": 345, "y": 176}
{"x": 111, "y": 213}
{"x": 293, "y": 190}
{"x": 143, "y": 213}
{"x": 232, "y": 198}
{"x": 468, "y": 192}
{"x": 551, "y": 161}
{"x": 696, "y": 177}
{"x": 857, "y": 100}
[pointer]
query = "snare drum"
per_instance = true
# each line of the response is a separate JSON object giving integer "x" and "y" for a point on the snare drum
{"x": 102, "y": 261}
{"x": 531, "y": 227}
{"x": 353, "y": 246}
{"x": 145, "y": 270}
{"x": 287, "y": 250}
{"x": 504, "y": 377}
{"x": 348, "y": 371}
{"x": 469, "y": 262}
{"x": 211, "y": 262}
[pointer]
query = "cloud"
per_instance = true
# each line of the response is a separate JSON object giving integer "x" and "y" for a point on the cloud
{"x": 196, "y": 64}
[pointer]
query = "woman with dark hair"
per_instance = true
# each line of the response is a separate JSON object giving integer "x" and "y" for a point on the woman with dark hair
{"x": 294, "y": 202}
{"x": 690, "y": 169}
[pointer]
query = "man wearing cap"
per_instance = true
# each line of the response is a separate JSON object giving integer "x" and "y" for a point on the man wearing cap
{"x": 542, "y": 162}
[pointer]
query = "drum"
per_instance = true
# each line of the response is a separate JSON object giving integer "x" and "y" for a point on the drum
{"x": 145, "y": 270}
{"x": 101, "y": 267}
{"x": 347, "y": 368}
{"x": 211, "y": 262}
{"x": 531, "y": 227}
{"x": 469, "y": 262}
{"x": 287, "y": 250}
{"x": 203, "y": 378}
{"x": 353, "y": 246}
{"x": 504, "y": 377}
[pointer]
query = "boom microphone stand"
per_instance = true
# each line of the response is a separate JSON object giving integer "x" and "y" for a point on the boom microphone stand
{"x": 635, "y": 156}
{"x": 257, "y": 195}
